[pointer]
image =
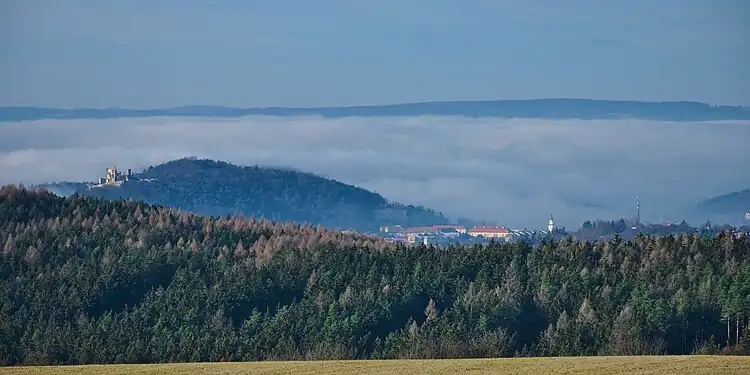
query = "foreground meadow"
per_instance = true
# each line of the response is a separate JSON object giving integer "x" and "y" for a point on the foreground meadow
{"x": 692, "y": 365}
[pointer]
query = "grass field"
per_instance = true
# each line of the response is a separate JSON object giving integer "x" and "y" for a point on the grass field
{"x": 683, "y": 365}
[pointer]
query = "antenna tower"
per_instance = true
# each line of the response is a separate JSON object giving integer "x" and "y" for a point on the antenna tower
{"x": 638, "y": 211}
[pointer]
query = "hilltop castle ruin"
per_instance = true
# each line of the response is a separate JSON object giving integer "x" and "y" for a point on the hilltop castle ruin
{"x": 113, "y": 177}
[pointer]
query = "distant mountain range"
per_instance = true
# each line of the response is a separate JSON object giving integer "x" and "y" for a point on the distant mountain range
{"x": 535, "y": 108}
{"x": 216, "y": 188}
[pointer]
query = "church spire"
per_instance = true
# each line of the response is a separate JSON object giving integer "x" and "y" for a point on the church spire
{"x": 551, "y": 224}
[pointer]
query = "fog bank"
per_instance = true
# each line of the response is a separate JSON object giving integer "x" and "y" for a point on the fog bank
{"x": 517, "y": 172}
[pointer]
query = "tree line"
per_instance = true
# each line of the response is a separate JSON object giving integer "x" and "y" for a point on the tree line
{"x": 96, "y": 281}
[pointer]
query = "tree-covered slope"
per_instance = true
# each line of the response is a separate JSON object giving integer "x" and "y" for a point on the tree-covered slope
{"x": 217, "y": 188}
{"x": 737, "y": 203}
{"x": 94, "y": 281}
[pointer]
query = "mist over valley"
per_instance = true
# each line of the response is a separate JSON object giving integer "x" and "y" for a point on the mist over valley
{"x": 513, "y": 171}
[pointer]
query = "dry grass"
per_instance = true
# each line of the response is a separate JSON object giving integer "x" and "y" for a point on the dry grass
{"x": 683, "y": 365}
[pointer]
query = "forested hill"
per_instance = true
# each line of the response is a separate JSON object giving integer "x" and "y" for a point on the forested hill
{"x": 94, "y": 281}
{"x": 217, "y": 188}
{"x": 736, "y": 203}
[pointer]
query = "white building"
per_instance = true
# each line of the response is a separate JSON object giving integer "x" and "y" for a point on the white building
{"x": 490, "y": 232}
{"x": 551, "y": 224}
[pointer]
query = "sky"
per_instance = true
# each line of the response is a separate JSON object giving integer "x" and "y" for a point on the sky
{"x": 148, "y": 54}
{"x": 516, "y": 172}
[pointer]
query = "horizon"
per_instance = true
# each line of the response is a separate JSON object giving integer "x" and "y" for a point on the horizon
{"x": 385, "y": 104}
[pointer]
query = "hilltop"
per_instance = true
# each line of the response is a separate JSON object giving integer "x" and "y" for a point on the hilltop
{"x": 534, "y": 108}
{"x": 217, "y": 188}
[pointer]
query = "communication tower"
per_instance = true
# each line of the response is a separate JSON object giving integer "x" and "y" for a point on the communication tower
{"x": 637, "y": 223}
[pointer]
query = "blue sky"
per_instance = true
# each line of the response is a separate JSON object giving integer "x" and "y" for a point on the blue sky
{"x": 145, "y": 54}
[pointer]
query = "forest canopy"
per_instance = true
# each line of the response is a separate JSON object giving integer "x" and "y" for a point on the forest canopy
{"x": 88, "y": 280}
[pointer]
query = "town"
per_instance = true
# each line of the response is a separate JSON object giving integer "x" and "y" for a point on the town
{"x": 458, "y": 234}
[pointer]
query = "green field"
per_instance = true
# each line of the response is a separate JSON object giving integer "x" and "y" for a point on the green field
{"x": 684, "y": 365}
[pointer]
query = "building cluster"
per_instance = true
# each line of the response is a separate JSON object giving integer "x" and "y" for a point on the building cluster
{"x": 113, "y": 177}
{"x": 456, "y": 234}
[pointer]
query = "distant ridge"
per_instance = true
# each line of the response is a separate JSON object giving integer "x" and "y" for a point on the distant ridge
{"x": 588, "y": 109}
{"x": 736, "y": 203}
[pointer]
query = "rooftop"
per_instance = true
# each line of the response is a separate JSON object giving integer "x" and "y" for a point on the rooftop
{"x": 489, "y": 230}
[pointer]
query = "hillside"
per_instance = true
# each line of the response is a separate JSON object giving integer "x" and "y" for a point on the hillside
{"x": 94, "y": 281}
{"x": 216, "y": 188}
{"x": 65, "y": 188}
{"x": 735, "y": 203}
{"x": 533, "y": 108}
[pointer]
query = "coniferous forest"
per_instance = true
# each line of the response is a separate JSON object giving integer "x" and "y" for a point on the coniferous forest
{"x": 87, "y": 280}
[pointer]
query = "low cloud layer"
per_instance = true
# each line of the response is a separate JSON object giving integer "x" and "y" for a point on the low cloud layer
{"x": 516, "y": 172}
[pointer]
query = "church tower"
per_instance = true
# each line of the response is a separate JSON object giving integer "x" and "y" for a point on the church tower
{"x": 551, "y": 224}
